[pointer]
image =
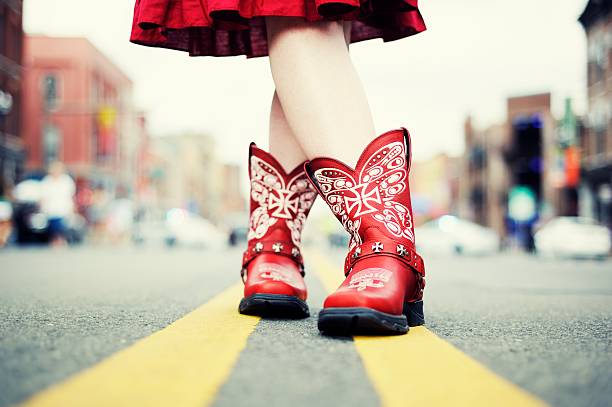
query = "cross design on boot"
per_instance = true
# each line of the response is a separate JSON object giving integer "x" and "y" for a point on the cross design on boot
{"x": 284, "y": 203}
{"x": 377, "y": 247}
{"x": 401, "y": 250}
{"x": 364, "y": 201}
{"x": 277, "y": 247}
{"x": 258, "y": 247}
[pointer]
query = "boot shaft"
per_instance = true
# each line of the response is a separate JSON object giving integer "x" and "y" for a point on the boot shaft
{"x": 372, "y": 200}
{"x": 279, "y": 201}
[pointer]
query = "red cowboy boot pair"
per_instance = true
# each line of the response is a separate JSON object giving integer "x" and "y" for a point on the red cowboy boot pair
{"x": 383, "y": 289}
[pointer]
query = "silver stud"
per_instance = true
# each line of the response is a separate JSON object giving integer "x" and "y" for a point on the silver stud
{"x": 277, "y": 247}
{"x": 357, "y": 252}
{"x": 295, "y": 252}
{"x": 258, "y": 247}
{"x": 377, "y": 247}
{"x": 401, "y": 250}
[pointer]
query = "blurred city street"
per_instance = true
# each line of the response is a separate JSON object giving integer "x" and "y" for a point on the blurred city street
{"x": 133, "y": 179}
{"x": 542, "y": 324}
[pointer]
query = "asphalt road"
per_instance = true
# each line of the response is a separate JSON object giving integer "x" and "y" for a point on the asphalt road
{"x": 544, "y": 325}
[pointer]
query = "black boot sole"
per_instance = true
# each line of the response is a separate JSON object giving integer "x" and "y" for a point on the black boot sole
{"x": 274, "y": 306}
{"x": 368, "y": 321}
{"x": 360, "y": 321}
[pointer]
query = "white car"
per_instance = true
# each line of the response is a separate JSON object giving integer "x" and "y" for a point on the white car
{"x": 179, "y": 228}
{"x": 451, "y": 235}
{"x": 573, "y": 237}
{"x": 191, "y": 230}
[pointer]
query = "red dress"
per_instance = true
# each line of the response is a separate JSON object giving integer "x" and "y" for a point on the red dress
{"x": 237, "y": 27}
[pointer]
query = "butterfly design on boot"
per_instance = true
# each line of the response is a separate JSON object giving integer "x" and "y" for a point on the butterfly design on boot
{"x": 370, "y": 191}
{"x": 278, "y": 199}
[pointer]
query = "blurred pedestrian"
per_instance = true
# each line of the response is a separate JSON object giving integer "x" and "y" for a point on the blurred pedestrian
{"x": 319, "y": 120}
{"x": 120, "y": 218}
{"x": 57, "y": 201}
{"x": 97, "y": 214}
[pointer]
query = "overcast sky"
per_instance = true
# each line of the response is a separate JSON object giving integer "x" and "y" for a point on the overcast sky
{"x": 474, "y": 54}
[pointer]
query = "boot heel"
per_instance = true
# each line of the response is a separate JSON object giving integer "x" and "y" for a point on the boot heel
{"x": 414, "y": 313}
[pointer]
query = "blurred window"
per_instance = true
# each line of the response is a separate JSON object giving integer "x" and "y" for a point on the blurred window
{"x": 600, "y": 140}
{"x": 2, "y": 30}
{"x": 51, "y": 143}
{"x": 51, "y": 91}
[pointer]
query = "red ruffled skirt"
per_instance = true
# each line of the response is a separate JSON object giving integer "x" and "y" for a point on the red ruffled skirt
{"x": 237, "y": 27}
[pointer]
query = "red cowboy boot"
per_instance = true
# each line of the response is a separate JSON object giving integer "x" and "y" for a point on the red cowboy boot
{"x": 272, "y": 265}
{"x": 383, "y": 289}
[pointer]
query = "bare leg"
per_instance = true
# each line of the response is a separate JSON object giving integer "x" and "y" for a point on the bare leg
{"x": 321, "y": 94}
{"x": 283, "y": 144}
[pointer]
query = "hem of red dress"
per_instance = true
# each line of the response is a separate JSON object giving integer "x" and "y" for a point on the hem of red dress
{"x": 158, "y": 34}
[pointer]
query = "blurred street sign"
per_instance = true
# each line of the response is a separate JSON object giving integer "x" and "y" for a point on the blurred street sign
{"x": 568, "y": 127}
{"x": 522, "y": 204}
{"x": 107, "y": 116}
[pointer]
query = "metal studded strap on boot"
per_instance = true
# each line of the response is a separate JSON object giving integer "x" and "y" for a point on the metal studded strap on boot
{"x": 367, "y": 249}
{"x": 287, "y": 249}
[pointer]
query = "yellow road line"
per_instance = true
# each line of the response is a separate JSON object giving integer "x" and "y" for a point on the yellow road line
{"x": 184, "y": 364}
{"x": 421, "y": 369}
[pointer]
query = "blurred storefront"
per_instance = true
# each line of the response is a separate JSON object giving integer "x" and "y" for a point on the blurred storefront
{"x": 508, "y": 171}
{"x": 78, "y": 109}
{"x": 434, "y": 185}
{"x": 596, "y": 141}
{"x": 483, "y": 181}
{"x": 12, "y": 154}
{"x": 185, "y": 172}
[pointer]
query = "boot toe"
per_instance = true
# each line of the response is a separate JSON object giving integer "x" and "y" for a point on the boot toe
{"x": 274, "y": 287}
{"x": 348, "y": 298}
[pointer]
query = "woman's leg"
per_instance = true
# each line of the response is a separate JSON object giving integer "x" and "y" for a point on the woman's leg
{"x": 282, "y": 141}
{"x": 321, "y": 95}
{"x": 283, "y": 144}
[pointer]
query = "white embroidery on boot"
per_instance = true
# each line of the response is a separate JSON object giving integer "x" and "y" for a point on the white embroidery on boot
{"x": 370, "y": 278}
{"x": 382, "y": 178}
{"x": 277, "y": 201}
{"x": 271, "y": 271}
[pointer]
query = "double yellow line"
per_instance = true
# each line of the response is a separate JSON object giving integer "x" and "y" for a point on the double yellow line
{"x": 421, "y": 369}
{"x": 186, "y": 363}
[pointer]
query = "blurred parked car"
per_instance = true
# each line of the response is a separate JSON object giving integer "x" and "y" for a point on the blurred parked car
{"x": 31, "y": 225}
{"x": 451, "y": 235}
{"x": 179, "y": 228}
{"x": 76, "y": 229}
{"x": 238, "y": 235}
{"x": 573, "y": 237}
{"x": 338, "y": 239}
{"x": 152, "y": 233}
{"x": 29, "y": 222}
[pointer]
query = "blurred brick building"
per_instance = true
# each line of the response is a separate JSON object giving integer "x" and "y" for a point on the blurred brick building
{"x": 484, "y": 178}
{"x": 11, "y": 143}
{"x": 185, "y": 172}
{"x": 78, "y": 109}
{"x": 517, "y": 153}
{"x": 434, "y": 185}
{"x": 596, "y": 140}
